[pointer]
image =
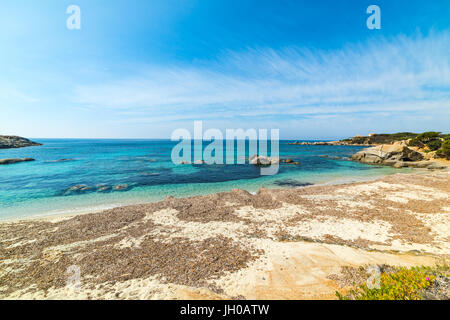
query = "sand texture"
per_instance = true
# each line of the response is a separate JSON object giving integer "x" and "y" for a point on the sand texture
{"x": 277, "y": 244}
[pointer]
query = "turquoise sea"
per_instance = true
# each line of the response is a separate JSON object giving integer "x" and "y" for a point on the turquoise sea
{"x": 43, "y": 187}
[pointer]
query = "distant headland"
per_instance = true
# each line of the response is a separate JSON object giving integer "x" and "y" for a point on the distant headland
{"x": 405, "y": 149}
{"x": 9, "y": 142}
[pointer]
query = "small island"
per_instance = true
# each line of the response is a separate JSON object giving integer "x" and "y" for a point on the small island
{"x": 10, "y": 142}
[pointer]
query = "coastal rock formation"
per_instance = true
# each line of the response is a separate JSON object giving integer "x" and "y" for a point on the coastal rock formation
{"x": 387, "y": 154}
{"x": 263, "y": 160}
{"x": 290, "y": 161}
{"x": 9, "y": 142}
{"x": 11, "y": 161}
{"x": 329, "y": 143}
{"x": 318, "y": 143}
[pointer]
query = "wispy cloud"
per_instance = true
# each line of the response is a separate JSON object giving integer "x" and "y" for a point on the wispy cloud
{"x": 397, "y": 75}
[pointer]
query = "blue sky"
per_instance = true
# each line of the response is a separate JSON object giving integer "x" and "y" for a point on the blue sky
{"x": 140, "y": 69}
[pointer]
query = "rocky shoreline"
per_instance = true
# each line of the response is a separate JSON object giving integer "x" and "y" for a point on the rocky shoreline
{"x": 399, "y": 150}
{"x": 328, "y": 143}
{"x": 10, "y": 142}
{"x": 399, "y": 155}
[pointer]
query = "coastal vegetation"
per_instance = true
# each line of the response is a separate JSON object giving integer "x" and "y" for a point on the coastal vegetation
{"x": 444, "y": 151}
{"x": 433, "y": 141}
{"x": 429, "y": 139}
{"x": 400, "y": 283}
{"x": 382, "y": 138}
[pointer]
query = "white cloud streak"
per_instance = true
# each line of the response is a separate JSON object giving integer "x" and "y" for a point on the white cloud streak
{"x": 398, "y": 75}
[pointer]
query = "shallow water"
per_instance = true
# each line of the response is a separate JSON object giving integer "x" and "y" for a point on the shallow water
{"x": 145, "y": 167}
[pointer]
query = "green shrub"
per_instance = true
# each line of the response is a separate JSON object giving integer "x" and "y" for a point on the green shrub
{"x": 430, "y": 139}
{"x": 434, "y": 145}
{"x": 416, "y": 143}
{"x": 428, "y": 136}
{"x": 444, "y": 152}
{"x": 403, "y": 284}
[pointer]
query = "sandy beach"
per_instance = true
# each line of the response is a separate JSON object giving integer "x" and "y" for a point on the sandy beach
{"x": 277, "y": 244}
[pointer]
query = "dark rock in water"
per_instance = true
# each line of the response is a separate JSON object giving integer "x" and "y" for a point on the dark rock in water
{"x": 290, "y": 161}
{"x": 9, "y": 142}
{"x": 12, "y": 161}
{"x": 331, "y": 157}
{"x": 103, "y": 188}
{"x": 77, "y": 189}
{"x": 291, "y": 183}
{"x": 263, "y": 160}
{"x": 60, "y": 160}
{"x": 149, "y": 174}
{"x": 121, "y": 187}
{"x": 64, "y": 160}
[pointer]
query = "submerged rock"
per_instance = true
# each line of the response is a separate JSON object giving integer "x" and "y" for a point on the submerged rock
{"x": 146, "y": 174}
{"x": 121, "y": 187}
{"x": 12, "y": 161}
{"x": 63, "y": 160}
{"x": 79, "y": 188}
{"x": 103, "y": 188}
{"x": 290, "y": 161}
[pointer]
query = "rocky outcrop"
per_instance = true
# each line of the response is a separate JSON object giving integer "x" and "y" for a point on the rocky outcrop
{"x": 12, "y": 161}
{"x": 289, "y": 161}
{"x": 267, "y": 161}
{"x": 387, "y": 154}
{"x": 397, "y": 155}
{"x": 9, "y": 142}
{"x": 329, "y": 143}
{"x": 263, "y": 160}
